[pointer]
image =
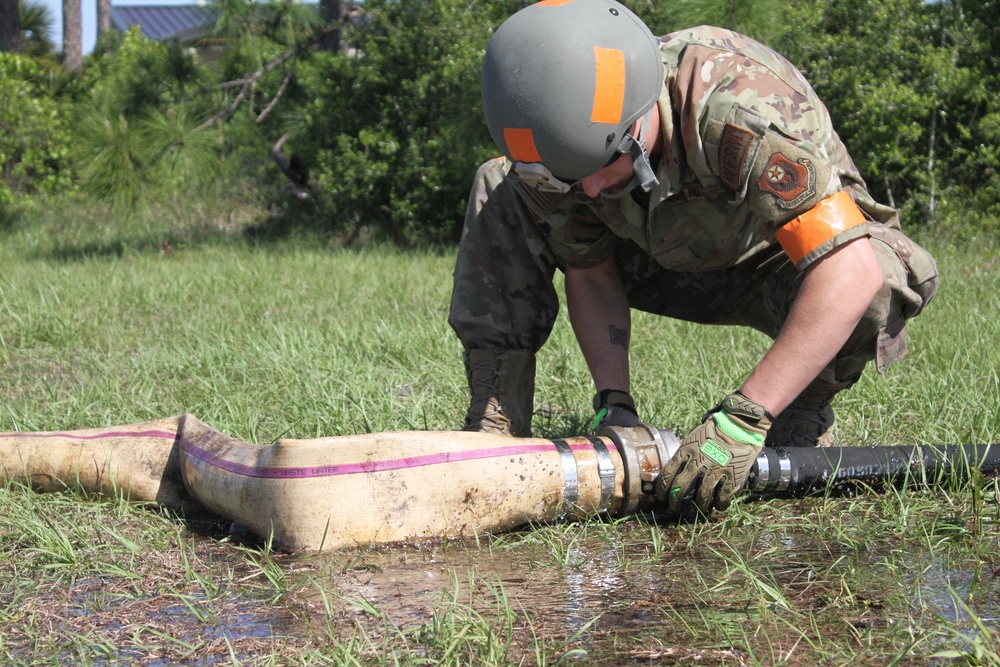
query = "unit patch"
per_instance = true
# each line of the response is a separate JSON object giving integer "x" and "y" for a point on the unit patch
{"x": 792, "y": 182}
{"x": 735, "y": 146}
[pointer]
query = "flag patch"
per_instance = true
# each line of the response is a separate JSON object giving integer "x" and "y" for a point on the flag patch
{"x": 733, "y": 151}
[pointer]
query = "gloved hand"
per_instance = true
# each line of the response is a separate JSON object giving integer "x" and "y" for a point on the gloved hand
{"x": 715, "y": 458}
{"x": 614, "y": 408}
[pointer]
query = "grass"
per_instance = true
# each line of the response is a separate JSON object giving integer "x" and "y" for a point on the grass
{"x": 148, "y": 316}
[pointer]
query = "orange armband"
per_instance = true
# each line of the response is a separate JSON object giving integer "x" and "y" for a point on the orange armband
{"x": 827, "y": 219}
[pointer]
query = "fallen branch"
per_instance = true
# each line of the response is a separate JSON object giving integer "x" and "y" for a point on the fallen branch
{"x": 297, "y": 177}
{"x": 274, "y": 100}
{"x": 246, "y": 84}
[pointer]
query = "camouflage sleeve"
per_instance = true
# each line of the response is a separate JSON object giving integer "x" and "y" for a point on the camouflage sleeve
{"x": 582, "y": 242}
{"x": 789, "y": 182}
{"x": 756, "y": 128}
{"x": 576, "y": 237}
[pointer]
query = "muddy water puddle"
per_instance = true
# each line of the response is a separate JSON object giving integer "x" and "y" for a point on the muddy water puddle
{"x": 632, "y": 592}
{"x": 662, "y": 592}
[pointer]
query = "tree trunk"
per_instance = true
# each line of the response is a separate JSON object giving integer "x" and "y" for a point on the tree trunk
{"x": 10, "y": 26}
{"x": 103, "y": 17}
{"x": 330, "y": 11}
{"x": 932, "y": 181}
{"x": 72, "y": 36}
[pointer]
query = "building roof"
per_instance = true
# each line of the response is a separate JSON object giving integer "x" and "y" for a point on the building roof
{"x": 160, "y": 22}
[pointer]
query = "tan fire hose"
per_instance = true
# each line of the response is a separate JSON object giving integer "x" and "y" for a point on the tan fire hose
{"x": 341, "y": 491}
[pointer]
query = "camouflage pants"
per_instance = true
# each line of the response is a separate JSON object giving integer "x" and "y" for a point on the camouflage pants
{"x": 503, "y": 294}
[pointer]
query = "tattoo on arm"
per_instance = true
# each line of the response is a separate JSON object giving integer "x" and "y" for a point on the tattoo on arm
{"x": 618, "y": 336}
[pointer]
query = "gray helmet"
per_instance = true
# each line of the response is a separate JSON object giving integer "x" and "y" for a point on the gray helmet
{"x": 563, "y": 82}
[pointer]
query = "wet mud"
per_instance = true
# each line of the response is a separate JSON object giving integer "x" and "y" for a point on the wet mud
{"x": 631, "y": 592}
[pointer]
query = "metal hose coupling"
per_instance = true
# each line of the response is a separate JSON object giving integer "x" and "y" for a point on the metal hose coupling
{"x": 644, "y": 450}
{"x": 771, "y": 472}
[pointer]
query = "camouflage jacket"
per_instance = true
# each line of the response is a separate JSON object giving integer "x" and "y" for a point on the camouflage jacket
{"x": 746, "y": 147}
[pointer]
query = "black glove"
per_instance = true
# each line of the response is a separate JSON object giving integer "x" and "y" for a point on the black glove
{"x": 615, "y": 408}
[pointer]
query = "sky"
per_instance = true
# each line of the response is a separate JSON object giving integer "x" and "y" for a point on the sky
{"x": 89, "y": 12}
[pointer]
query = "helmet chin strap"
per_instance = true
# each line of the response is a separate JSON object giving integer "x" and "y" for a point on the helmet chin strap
{"x": 636, "y": 147}
{"x": 539, "y": 177}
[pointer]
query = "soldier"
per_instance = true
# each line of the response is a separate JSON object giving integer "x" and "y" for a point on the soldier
{"x": 695, "y": 176}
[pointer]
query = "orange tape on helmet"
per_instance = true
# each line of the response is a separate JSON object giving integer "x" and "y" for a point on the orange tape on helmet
{"x": 521, "y": 144}
{"x": 609, "y": 87}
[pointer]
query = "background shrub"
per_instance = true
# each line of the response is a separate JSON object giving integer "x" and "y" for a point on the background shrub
{"x": 34, "y": 129}
{"x": 394, "y": 131}
{"x": 383, "y": 136}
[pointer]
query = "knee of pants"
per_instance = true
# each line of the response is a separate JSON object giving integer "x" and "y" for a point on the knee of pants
{"x": 477, "y": 335}
{"x": 909, "y": 283}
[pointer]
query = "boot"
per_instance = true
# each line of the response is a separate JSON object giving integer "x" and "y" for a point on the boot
{"x": 502, "y": 384}
{"x": 809, "y": 420}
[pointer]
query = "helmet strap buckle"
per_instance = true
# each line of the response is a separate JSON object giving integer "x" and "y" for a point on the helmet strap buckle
{"x": 540, "y": 178}
{"x": 636, "y": 147}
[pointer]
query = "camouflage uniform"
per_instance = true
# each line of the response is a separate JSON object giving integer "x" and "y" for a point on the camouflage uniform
{"x": 746, "y": 147}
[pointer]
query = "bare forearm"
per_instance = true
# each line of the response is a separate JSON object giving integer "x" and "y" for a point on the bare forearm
{"x": 599, "y": 312}
{"x": 834, "y": 296}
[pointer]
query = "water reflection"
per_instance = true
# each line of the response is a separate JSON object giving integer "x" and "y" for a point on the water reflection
{"x": 664, "y": 591}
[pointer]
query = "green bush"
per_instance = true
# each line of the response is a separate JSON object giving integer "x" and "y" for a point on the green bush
{"x": 137, "y": 74}
{"x": 141, "y": 129}
{"x": 395, "y": 130}
{"x": 912, "y": 88}
{"x": 390, "y": 131}
{"x": 34, "y": 130}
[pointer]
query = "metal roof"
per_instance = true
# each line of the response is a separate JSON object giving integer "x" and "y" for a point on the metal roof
{"x": 163, "y": 21}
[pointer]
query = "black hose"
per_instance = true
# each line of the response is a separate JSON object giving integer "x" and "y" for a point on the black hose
{"x": 796, "y": 472}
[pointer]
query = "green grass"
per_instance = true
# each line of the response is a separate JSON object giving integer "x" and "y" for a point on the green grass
{"x": 170, "y": 311}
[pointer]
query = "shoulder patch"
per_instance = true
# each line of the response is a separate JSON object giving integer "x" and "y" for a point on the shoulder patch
{"x": 733, "y": 151}
{"x": 792, "y": 182}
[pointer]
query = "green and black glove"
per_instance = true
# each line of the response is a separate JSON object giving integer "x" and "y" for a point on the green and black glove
{"x": 715, "y": 458}
{"x": 614, "y": 408}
